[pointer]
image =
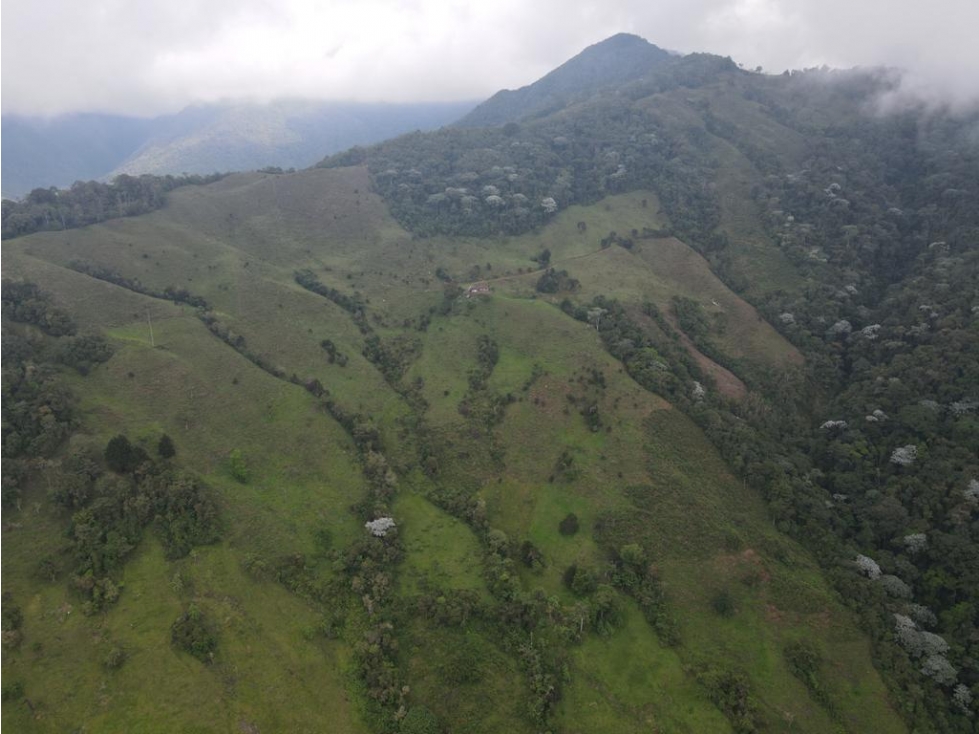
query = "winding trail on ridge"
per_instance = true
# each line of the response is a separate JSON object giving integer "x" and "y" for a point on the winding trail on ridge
{"x": 467, "y": 286}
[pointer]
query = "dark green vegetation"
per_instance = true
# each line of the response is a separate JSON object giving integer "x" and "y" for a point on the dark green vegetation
{"x": 194, "y": 634}
{"x": 618, "y": 502}
{"x": 90, "y": 202}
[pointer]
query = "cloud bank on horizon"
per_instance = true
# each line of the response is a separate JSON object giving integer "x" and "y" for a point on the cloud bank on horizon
{"x": 156, "y": 56}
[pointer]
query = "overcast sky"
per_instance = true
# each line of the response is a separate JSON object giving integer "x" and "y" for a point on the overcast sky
{"x": 152, "y": 56}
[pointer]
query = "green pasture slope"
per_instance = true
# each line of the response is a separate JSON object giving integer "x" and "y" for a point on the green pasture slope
{"x": 647, "y": 476}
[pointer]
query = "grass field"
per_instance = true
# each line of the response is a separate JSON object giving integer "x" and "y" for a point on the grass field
{"x": 655, "y": 270}
{"x": 628, "y": 683}
{"x": 237, "y": 244}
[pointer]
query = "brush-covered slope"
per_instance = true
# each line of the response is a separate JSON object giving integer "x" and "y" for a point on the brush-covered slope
{"x": 570, "y": 552}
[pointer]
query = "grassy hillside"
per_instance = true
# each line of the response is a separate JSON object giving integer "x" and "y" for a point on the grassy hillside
{"x": 301, "y": 474}
{"x": 497, "y": 416}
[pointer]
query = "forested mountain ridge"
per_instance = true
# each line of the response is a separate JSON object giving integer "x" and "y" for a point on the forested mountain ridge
{"x": 529, "y": 508}
{"x": 615, "y": 60}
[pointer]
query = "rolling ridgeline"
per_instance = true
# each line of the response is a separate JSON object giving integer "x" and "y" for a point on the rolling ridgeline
{"x": 200, "y": 139}
{"x": 705, "y": 457}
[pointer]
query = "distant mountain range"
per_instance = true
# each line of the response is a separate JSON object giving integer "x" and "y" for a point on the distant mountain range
{"x": 38, "y": 153}
{"x": 238, "y": 136}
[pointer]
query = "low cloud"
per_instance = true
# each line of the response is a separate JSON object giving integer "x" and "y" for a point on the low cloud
{"x": 160, "y": 55}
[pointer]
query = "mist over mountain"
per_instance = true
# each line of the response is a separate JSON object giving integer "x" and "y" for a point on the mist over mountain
{"x": 201, "y": 139}
{"x": 287, "y": 134}
{"x": 40, "y": 152}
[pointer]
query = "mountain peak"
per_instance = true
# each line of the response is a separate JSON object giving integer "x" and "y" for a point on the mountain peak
{"x": 621, "y": 40}
{"x": 619, "y": 58}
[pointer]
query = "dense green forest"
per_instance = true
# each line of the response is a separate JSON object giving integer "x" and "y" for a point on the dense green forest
{"x": 512, "y": 178}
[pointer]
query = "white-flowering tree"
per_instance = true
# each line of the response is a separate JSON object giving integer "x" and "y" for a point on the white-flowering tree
{"x": 939, "y": 669}
{"x": 922, "y": 615}
{"x": 962, "y": 698}
{"x": 917, "y": 642}
{"x": 903, "y": 624}
{"x": 595, "y": 316}
{"x": 548, "y": 204}
{"x": 963, "y": 407}
{"x": 381, "y": 526}
{"x": 932, "y": 644}
{"x": 867, "y": 566}
{"x": 904, "y": 455}
{"x": 971, "y": 492}
{"x": 895, "y": 587}
{"x": 915, "y": 542}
